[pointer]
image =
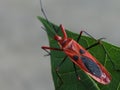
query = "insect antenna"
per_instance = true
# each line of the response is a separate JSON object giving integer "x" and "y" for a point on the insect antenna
{"x": 51, "y": 25}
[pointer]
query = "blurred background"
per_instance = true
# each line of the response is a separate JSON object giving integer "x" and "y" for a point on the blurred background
{"x": 22, "y": 62}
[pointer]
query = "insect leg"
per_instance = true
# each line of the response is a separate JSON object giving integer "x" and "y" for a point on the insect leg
{"x": 78, "y": 77}
{"x": 50, "y": 48}
{"x": 81, "y": 32}
{"x": 100, "y": 43}
{"x": 95, "y": 44}
{"x": 113, "y": 64}
{"x": 57, "y": 71}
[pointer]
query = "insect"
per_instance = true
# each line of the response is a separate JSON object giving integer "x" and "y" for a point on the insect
{"x": 80, "y": 55}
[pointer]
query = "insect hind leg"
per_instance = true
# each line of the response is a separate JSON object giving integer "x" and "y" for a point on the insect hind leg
{"x": 113, "y": 64}
{"x": 99, "y": 42}
{"x": 58, "y": 74}
{"x": 76, "y": 73}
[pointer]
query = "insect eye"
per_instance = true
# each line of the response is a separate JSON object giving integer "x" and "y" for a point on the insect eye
{"x": 82, "y": 51}
{"x": 75, "y": 57}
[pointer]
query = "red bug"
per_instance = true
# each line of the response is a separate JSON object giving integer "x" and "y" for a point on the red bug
{"x": 80, "y": 56}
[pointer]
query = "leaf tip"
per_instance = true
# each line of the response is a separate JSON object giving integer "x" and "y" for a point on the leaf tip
{"x": 39, "y": 18}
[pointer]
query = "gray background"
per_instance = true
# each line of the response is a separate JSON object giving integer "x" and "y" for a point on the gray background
{"x": 22, "y": 64}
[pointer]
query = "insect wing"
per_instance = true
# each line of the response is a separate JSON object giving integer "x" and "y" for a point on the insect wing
{"x": 83, "y": 59}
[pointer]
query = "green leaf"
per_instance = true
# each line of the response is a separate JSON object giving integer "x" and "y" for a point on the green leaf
{"x": 66, "y": 71}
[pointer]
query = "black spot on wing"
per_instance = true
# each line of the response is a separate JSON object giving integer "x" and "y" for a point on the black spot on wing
{"x": 75, "y": 57}
{"x": 81, "y": 51}
{"x": 91, "y": 66}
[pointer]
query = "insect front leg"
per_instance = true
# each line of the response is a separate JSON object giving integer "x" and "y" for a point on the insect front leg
{"x": 81, "y": 32}
{"x": 59, "y": 65}
{"x": 50, "y": 48}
